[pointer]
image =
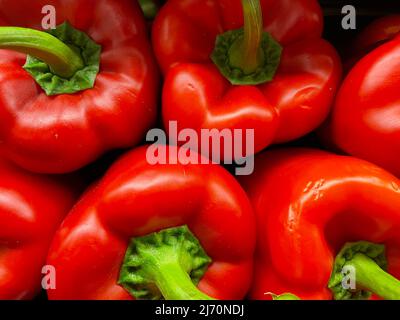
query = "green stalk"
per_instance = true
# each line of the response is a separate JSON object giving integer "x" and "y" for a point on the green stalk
{"x": 249, "y": 55}
{"x": 246, "y": 53}
{"x": 176, "y": 284}
{"x": 359, "y": 270}
{"x": 370, "y": 276}
{"x": 61, "y": 59}
{"x": 285, "y": 297}
{"x": 165, "y": 265}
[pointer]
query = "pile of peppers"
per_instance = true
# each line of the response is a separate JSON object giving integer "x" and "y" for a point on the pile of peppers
{"x": 84, "y": 214}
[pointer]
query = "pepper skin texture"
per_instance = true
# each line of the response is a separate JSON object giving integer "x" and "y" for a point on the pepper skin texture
{"x": 135, "y": 199}
{"x": 59, "y": 134}
{"x": 365, "y": 120}
{"x": 375, "y": 34}
{"x": 378, "y": 32}
{"x": 308, "y": 204}
{"x": 32, "y": 208}
{"x": 197, "y": 95}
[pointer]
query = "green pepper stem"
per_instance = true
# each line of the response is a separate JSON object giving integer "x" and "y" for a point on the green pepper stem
{"x": 176, "y": 284}
{"x": 284, "y": 296}
{"x": 373, "y": 278}
{"x": 166, "y": 264}
{"x": 246, "y": 53}
{"x": 149, "y": 8}
{"x": 61, "y": 59}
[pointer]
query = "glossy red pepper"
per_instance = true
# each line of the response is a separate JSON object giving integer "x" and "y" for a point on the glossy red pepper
{"x": 365, "y": 120}
{"x": 61, "y": 109}
{"x": 108, "y": 247}
{"x": 309, "y": 204}
{"x": 31, "y": 209}
{"x": 375, "y": 34}
{"x": 289, "y": 102}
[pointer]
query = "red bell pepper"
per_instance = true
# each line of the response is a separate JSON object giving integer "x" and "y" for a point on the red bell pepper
{"x": 375, "y": 34}
{"x": 276, "y": 75}
{"x": 311, "y": 205}
{"x": 151, "y": 231}
{"x": 365, "y": 120}
{"x": 31, "y": 209}
{"x": 86, "y": 87}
